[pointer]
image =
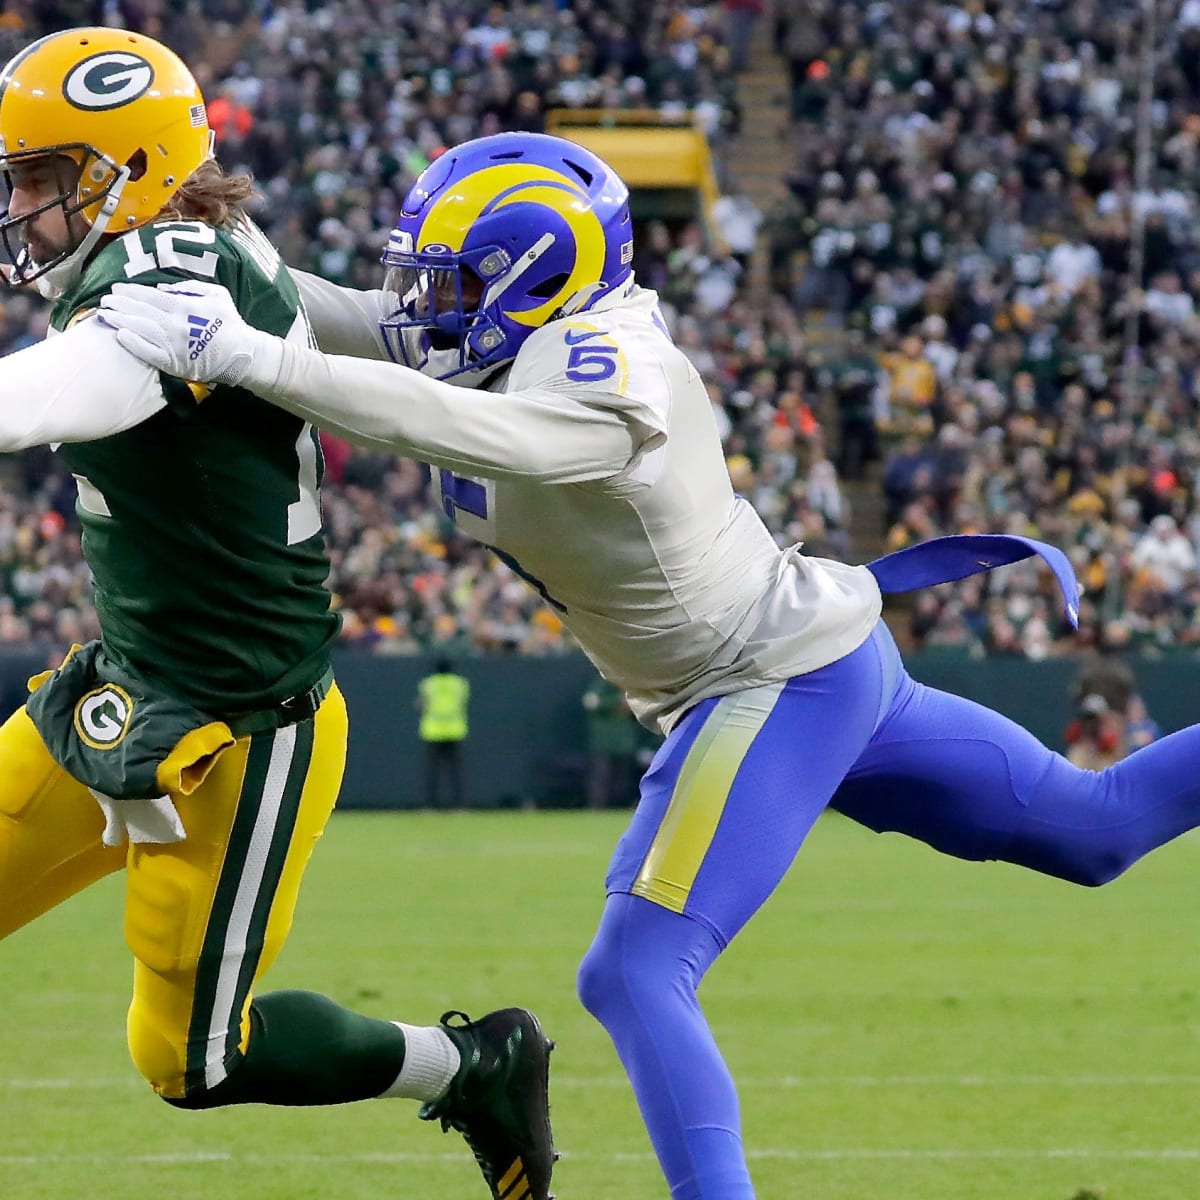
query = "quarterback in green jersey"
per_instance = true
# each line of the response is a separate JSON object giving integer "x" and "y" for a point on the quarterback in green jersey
{"x": 199, "y": 744}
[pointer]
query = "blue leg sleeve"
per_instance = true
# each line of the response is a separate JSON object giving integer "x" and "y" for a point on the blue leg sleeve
{"x": 724, "y": 809}
{"x": 974, "y": 784}
{"x": 639, "y": 980}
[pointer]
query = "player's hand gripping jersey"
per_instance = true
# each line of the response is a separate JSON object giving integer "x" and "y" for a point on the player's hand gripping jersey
{"x": 201, "y": 522}
{"x": 593, "y": 466}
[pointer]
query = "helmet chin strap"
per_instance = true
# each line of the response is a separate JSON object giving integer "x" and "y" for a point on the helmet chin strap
{"x": 54, "y": 282}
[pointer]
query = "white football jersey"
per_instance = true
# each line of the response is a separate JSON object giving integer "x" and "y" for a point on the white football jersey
{"x": 594, "y": 468}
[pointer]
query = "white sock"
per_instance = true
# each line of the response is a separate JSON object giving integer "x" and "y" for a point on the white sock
{"x": 431, "y": 1060}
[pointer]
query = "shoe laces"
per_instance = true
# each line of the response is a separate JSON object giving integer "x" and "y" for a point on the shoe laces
{"x": 449, "y": 1120}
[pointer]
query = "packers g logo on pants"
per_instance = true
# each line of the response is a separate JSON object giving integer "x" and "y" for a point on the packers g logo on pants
{"x": 102, "y": 716}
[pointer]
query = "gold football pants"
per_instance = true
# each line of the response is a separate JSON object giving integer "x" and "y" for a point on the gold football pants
{"x": 204, "y": 917}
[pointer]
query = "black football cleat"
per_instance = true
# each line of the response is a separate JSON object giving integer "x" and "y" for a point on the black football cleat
{"x": 499, "y": 1100}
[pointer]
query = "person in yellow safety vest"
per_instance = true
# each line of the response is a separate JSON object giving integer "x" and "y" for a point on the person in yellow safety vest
{"x": 442, "y": 699}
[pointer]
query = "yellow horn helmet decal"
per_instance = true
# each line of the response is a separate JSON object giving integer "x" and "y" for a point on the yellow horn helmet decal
{"x": 452, "y": 214}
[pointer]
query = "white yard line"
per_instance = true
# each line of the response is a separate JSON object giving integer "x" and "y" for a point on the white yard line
{"x": 791, "y": 1154}
{"x": 785, "y": 1082}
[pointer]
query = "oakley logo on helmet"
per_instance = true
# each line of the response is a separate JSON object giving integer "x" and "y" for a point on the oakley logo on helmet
{"x": 108, "y": 80}
{"x": 102, "y": 716}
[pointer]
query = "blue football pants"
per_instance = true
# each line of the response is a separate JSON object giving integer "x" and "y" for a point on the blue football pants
{"x": 727, "y": 804}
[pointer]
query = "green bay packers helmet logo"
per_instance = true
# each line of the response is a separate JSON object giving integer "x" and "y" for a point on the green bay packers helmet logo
{"x": 102, "y": 716}
{"x": 108, "y": 80}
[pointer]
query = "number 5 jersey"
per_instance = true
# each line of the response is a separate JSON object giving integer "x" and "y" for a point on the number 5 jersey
{"x": 594, "y": 468}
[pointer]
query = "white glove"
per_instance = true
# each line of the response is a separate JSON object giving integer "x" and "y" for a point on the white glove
{"x": 191, "y": 330}
{"x": 155, "y": 821}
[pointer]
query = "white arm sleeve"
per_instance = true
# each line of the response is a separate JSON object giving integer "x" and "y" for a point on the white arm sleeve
{"x": 344, "y": 320}
{"x": 530, "y": 434}
{"x": 76, "y": 386}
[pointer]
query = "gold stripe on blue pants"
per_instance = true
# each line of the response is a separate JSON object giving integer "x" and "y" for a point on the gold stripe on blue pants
{"x": 700, "y": 794}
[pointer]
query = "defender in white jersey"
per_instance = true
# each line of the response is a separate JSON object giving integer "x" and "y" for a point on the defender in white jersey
{"x": 567, "y": 432}
{"x": 670, "y": 583}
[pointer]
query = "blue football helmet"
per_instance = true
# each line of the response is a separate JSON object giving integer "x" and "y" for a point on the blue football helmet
{"x": 495, "y": 238}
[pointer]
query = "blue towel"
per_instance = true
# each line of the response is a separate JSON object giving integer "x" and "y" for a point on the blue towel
{"x": 944, "y": 559}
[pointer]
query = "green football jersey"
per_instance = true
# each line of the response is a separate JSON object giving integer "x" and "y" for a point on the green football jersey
{"x": 202, "y": 525}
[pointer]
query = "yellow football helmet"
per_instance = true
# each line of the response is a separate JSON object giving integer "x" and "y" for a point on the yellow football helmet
{"x": 124, "y": 109}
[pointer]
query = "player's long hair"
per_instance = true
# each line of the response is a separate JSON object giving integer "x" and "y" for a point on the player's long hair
{"x": 209, "y": 195}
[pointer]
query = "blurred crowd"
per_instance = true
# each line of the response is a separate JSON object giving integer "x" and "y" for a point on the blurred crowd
{"x": 1014, "y": 293}
{"x": 958, "y": 334}
{"x": 335, "y": 108}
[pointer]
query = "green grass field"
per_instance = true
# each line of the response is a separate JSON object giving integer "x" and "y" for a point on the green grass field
{"x": 903, "y": 1027}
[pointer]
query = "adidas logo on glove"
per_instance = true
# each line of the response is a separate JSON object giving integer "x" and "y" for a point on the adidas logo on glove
{"x": 163, "y": 328}
{"x": 201, "y": 331}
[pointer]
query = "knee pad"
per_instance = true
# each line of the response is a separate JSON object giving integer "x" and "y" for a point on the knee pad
{"x": 160, "y": 928}
{"x": 165, "y": 946}
{"x": 158, "y": 1049}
